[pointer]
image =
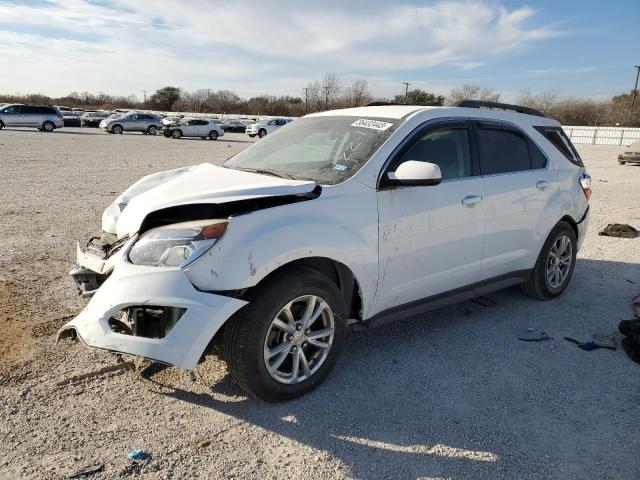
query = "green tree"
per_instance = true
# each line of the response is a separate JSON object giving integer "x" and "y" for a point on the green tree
{"x": 419, "y": 97}
{"x": 164, "y": 98}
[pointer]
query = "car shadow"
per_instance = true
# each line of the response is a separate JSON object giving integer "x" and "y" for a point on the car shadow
{"x": 57, "y": 131}
{"x": 454, "y": 391}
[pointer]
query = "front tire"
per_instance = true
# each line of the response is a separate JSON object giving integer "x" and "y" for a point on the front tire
{"x": 152, "y": 130}
{"x": 554, "y": 267}
{"x": 117, "y": 129}
{"x": 48, "y": 126}
{"x": 286, "y": 340}
{"x": 1, "y": 125}
{"x": 262, "y": 133}
{"x": 176, "y": 133}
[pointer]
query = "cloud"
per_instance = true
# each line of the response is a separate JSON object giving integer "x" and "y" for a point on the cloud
{"x": 122, "y": 47}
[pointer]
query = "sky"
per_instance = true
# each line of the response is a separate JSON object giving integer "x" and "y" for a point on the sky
{"x": 582, "y": 48}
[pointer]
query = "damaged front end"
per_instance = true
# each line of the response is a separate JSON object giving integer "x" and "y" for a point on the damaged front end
{"x": 94, "y": 265}
{"x": 151, "y": 312}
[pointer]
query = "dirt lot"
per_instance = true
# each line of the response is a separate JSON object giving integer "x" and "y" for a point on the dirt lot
{"x": 452, "y": 394}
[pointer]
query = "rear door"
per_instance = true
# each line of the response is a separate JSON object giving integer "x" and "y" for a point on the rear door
{"x": 431, "y": 237}
{"x": 519, "y": 184}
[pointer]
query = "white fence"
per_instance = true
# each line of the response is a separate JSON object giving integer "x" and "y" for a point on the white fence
{"x": 602, "y": 135}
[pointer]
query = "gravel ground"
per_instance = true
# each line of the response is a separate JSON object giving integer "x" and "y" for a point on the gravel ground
{"x": 452, "y": 394}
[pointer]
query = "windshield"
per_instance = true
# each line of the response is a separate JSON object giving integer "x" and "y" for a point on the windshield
{"x": 327, "y": 150}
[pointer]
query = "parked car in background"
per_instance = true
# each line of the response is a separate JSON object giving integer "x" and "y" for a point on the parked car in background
{"x": 42, "y": 117}
{"x": 70, "y": 116}
{"x": 194, "y": 127}
{"x": 262, "y": 128}
{"x": 132, "y": 122}
{"x": 93, "y": 119}
{"x": 631, "y": 154}
{"x": 169, "y": 119}
{"x": 345, "y": 219}
{"x": 236, "y": 126}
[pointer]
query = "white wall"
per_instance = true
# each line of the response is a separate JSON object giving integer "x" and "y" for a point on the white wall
{"x": 602, "y": 135}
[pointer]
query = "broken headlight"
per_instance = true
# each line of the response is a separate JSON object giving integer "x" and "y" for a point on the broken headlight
{"x": 176, "y": 245}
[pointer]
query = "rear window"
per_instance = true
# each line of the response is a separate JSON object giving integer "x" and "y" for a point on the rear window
{"x": 561, "y": 142}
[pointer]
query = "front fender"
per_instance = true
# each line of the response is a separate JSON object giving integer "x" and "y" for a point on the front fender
{"x": 338, "y": 228}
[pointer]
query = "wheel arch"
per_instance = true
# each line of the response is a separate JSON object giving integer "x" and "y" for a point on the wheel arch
{"x": 336, "y": 271}
{"x": 574, "y": 225}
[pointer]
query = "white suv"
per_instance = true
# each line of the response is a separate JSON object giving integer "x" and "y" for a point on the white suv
{"x": 343, "y": 220}
{"x": 263, "y": 127}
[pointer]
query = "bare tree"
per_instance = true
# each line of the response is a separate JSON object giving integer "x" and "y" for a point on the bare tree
{"x": 473, "y": 92}
{"x": 543, "y": 101}
{"x": 196, "y": 101}
{"x": 357, "y": 94}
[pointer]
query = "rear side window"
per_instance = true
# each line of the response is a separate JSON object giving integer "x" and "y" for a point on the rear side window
{"x": 502, "y": 151}
{"x": 538, "y": 160}
{"x": 561, "y": 142}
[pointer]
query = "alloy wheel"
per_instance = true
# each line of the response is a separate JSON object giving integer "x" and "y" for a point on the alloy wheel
{"x": 299, "y": 339}
{"x": 559, "y": 261}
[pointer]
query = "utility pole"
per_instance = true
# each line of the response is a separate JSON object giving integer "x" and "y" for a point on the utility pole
{"x": 306, "y": 99}
{"x": 406, "y": 89}
{"x": 635, "y": 89}
{"x": 326, "y": 96}
{"x": 144, "y": 94}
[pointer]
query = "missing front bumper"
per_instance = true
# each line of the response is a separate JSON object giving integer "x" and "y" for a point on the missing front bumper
{"x": 134, "y": 286}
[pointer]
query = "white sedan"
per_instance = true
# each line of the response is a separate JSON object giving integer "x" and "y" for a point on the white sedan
{"x": 194, "y": 127}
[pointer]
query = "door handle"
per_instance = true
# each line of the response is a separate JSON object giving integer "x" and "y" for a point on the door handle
{"x": 542, "y": 184}
{"x": 471, "y": 200}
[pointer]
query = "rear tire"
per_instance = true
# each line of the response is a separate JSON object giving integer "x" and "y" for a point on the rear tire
{"x": 117, "y": 129}
{"x": 554, "y": 267}
{"x": 48, "y": 126}
{"x": 176, "y": 134}
{"x": 1, "y": 125}
{"x": 213, "y": 135}
{"x": 249, "y": 335}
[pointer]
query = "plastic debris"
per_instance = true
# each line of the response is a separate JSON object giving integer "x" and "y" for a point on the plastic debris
{"x": 86, "y": 471}
{"x": 138, "y": 454}
{"x": 588, "y": 346}
{"x": 532, "y": 334}
{"x": 619, "y": 230}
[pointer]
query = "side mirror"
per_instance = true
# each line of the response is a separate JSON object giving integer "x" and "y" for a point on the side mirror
{"x": 414, "y": 173}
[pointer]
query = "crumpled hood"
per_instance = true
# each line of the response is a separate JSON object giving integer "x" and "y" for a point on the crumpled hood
{"x": 203, "y": 183}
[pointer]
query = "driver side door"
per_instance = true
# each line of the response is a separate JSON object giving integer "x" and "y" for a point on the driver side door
{"x": 431, "y": 237}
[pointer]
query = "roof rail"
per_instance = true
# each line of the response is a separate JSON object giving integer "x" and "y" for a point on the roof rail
{"x": 499, "y": 106}
{"x": 380, "y": 104}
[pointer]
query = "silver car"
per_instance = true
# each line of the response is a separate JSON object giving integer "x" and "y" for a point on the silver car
{"x": 194, "y": 127}
{"x": 132, "y": 122}
{"x": 42, "y": 117}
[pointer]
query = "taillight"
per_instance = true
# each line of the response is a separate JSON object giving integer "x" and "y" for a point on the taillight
{"x": 585, "y": 183}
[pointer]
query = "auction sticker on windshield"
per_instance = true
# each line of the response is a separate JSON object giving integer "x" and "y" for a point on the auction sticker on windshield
{"x": 374, "y": 124}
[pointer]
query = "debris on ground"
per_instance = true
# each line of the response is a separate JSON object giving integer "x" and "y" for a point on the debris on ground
{"x": 619, "y": 230}
{"x": 588, "y": 346}
{"x": 533, "y": 334}
{"x": 86, "y": 471}
{"x": 631, "y": 341}
{"x": 138, "y": 455}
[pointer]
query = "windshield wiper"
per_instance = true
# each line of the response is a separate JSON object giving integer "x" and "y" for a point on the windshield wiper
{"x": 266, "y": 171}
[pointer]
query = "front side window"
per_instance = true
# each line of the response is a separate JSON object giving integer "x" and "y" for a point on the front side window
{"x": 502, "y": 151}
{"x": 447, "y": 147}
{"x": 325, "y": 149}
